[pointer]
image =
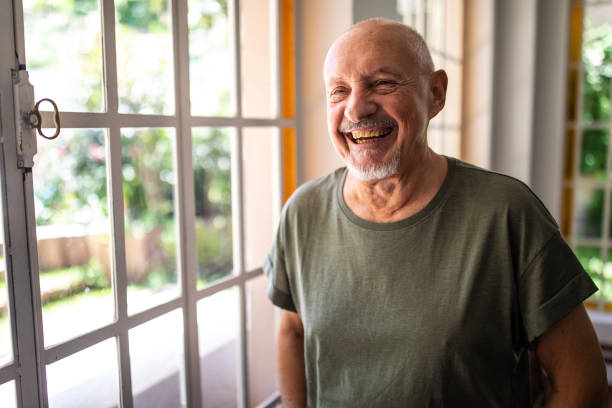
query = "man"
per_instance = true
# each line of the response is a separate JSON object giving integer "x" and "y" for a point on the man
{"x": 410, "y": 279}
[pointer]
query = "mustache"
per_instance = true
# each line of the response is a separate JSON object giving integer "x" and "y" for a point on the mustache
{"x": 348, "y": 126}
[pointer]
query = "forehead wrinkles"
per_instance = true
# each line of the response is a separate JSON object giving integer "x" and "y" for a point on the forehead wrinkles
{"x": 361, "y": 63}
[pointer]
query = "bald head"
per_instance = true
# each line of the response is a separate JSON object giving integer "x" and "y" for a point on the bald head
{"x": 379, "y": 32}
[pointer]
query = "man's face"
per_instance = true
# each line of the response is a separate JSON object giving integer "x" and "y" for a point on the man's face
{"x": 378, "y": 103}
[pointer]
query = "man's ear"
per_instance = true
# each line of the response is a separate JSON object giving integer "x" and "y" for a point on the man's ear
{"x": 437, "y": 92}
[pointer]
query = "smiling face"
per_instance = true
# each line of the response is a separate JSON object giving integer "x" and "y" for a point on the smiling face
{"x": 380, "y": 99}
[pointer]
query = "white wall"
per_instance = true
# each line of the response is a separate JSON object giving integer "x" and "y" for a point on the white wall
{"x": 478, "y": 82}
{"x": 321, "y": 22}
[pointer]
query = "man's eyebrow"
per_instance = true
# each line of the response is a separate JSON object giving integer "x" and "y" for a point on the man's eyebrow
{"x": 386, "y": 70}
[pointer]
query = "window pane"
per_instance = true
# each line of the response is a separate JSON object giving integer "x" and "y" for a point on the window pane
{"x": 8, "y": 396}
{"x": 589, "y": 213}
{"x": 261, "y": 342}
{"x": 596, "y": 93}
{"x": 211, "y": 58}
{"x": 6, "y": 343}
{"x": 72, "y": 227}
{"x": 70, "y": 75}
{"x": 258, "y": 54}
{"x": 145, "y": 57}
{"x": 218, "y": 325}
{"x": 258, "y": 193}
{"x": 211, "y": 152}
{"x": 150, "y": 226}
{"x": 597, "y": 55}
{"x": 156, "y": 353}
{"x": 88, "y": 378}
{"x": 590, "y": 258}
{"x": 594, "y": 153}
{"x": 435, "y": 29}
{"x": 596, "y": 48}
{"x": 606, "y": 285}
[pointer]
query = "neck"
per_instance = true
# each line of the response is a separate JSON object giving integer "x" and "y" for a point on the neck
{"x": 397, "y": 197}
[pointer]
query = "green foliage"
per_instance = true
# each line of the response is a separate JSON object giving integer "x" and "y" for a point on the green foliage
{"x": 71, "y": 172}
{"x": 208, "y": 12}
{"x": 145, "y": 16}
{"x": 596, "y": 56}
{"x": 597, "y": 53}
{"x": 590, "y": 259}
{"x": 594, "y": 153}
{"x": 592, "y": 222}
{"x": 212, "y": 186}
{"x": 93, "y": 275}
{"x": 148, "y": 177}
{"x": 214, "y": 249}
{"x": 70, "y": 179}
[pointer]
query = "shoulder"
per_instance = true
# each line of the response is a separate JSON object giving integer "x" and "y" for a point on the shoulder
{"x": 496, "y": 188}
{"x": 315, "y": 194}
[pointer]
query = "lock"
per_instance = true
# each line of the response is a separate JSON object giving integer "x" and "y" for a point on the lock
{"x": 28, "y": 120}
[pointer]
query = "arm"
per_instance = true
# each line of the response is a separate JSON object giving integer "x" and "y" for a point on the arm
{"x": 570, "y": 354}
{"x": 291, "y": 372}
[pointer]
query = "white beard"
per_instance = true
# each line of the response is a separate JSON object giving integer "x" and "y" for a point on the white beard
{"x": 375, "y": 171}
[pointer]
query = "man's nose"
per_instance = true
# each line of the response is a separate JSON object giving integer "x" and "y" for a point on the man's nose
{"x": 359, "y": 106}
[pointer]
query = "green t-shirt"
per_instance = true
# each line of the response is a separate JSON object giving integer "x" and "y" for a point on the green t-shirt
{"x": 436, "y": 310}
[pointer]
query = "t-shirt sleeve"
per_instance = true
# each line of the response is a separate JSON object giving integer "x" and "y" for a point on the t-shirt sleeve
{"x": 553, "y": 284}
{"x": 278, "y": 284}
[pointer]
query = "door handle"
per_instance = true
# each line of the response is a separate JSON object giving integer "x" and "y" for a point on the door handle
{"x": 35, "y": 120}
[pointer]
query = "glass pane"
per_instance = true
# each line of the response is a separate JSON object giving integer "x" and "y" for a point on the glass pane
{"x": 72, "y": 227}
{"x": 211, "y": 151}
{"x": 434, "y": 31}
{"x": 211, "y": 58}
{"x": 606, "y": 285}
{"x": 596, "y": 46}
{"x": 8, "y": 396}
{"x": 596, "y": 93}
{"x": 218, "y": 326}
{"x": 261, "y": 341}
{"x": 259, "y": 79}
{"x": 596, "y": 55}
{"x": 258, "y": 193}
{"x": 594, "y": 153}
{"x": 89, "y": 378}
{"x": 150, "y": 226}
{"x": 590, "y": 258}
{"x": 6, "y": 343}
{"x": 589, "y": 213}
{"x": 64, "y": 52}
{"x": 145, "y": 56}
{"x": 156, "y": 352}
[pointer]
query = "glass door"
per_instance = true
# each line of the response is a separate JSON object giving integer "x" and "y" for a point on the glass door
{"x": 145, "y": 223}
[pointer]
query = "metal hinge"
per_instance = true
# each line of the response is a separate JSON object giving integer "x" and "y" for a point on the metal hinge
{"x": 28, "y": 119}
{"x": 23, "y": 92}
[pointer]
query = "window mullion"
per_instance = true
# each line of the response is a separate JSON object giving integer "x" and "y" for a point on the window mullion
{"x": 115, "y": 180}
{"x": 184, "y": 204}
{"x": 237, "y": 207}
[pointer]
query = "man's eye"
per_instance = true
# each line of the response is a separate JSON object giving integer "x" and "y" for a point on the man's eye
{"x": 383, "y": 82}
{"x": 337, "y": 94}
